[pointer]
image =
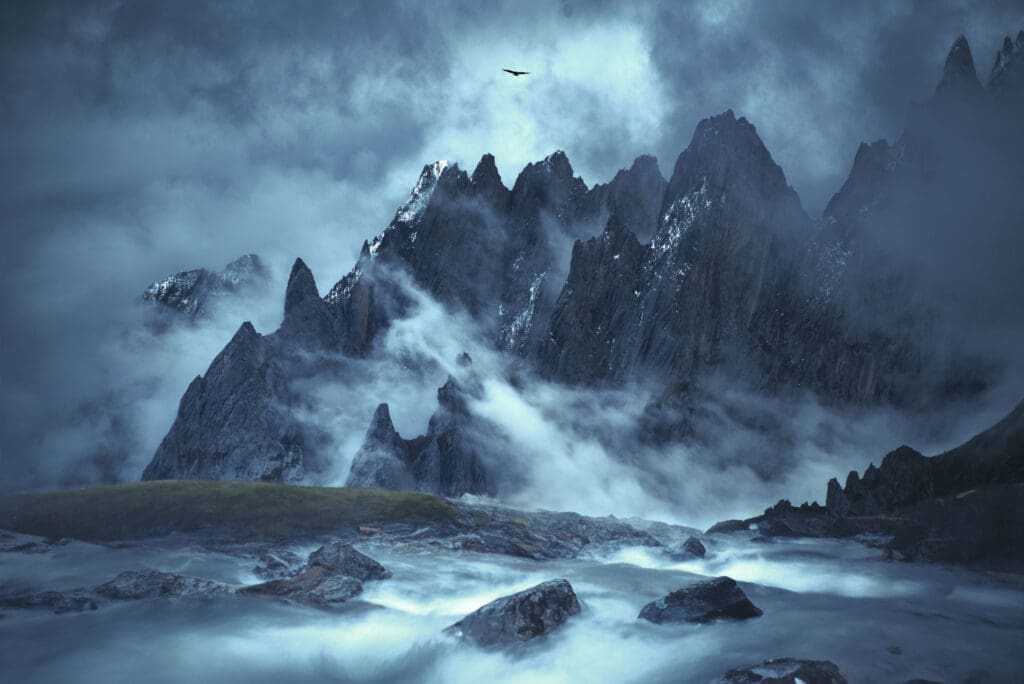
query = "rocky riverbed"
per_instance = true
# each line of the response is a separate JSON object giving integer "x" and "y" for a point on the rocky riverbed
{"x": 176, "y": 607}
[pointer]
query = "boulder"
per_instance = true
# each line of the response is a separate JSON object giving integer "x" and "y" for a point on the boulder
{"x": 334, "y": 573}
{"x": 57, "y": 601}
{"x": 716, "y": 599}
{"x": 520, "y": 617}
{"x": 694, "y": 547}
{"x": 785, "y": 671}
{"x": 344, "y": 559}
{"x": 276, "y": 563}
{"x": 316, "y": 585}
{"x": 143, "y": 584}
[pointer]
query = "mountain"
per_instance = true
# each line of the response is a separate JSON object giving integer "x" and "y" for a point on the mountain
{"x": 192, "y": 293}
{"x": 963, "y": 505}
{"x": 448, "y": 460}
{"x": 905, "y": 477}
{"x": 715, "y": 272}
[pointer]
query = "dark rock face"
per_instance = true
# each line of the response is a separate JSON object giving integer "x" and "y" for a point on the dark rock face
{"x": 717, "y": 256}
{"x": 520, "y": 617}
{"x": 448, "y": 460}
{"x": 143, "y": 584}
{"x": 786, "y": 671}
{"x": 960, "y": 506}
{"x": 959, "y": 74}
{"x": 234, "y": 422}
{"x": 192, "y": 292}
{"x": 343, "y": 559}
{"x": 717, "y": 599}
{"x": 906, "y": 477}
{"x": 717, "y": 271}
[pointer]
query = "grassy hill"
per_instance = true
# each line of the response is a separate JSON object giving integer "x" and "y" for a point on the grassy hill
{"x": 241, "y": 511}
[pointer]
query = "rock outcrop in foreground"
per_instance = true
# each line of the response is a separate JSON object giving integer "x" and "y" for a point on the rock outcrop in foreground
{"x": 333, "y": 574}
{"x": 785, "y": 671}
{"x": 520, "y": 617}
{"x": 717, "y": 599}
{"x": 134, "y": 585}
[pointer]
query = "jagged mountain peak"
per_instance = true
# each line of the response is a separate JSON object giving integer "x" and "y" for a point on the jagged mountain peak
{"x": 421, "y": 193}
{"x": 301, "y": 287}
{"x": 243, "y": 269}
{"x": 646, "y": 164}
{"x": 192, "y": 292}
{"x": 486, "y": 170}
{"x": 958, "y": 73}
{"x": 245, "y": 334}
{"x": 553, "y": 168}
{"x": 243, "y": 349}
{"x": 1007, "y": 72}
{"x": 870, "y": 165}
{"x": 486, "y": 181}
{"x": 557, "y": 162}
{"x": 381, "y": 425}
{"x": 726, "y": 159}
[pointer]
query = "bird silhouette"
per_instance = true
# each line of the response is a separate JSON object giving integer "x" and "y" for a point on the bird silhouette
{"x": 516, "y": 73}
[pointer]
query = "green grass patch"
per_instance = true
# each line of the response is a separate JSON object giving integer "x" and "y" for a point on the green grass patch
{"x": 241, "y": 511}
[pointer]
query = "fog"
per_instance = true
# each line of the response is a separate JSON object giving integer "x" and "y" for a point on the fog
{"x": 899, "y": 621}
{"x": 154, "y": 139}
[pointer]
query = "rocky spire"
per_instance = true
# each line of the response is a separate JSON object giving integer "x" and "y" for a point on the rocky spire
{"x": 382, "y": 429}
{"x": 727, "y": 162}
{"x": 301, "y": 287}
{"x": 307, "y": 317}
{"x": 1007, "y": 75}
{"x": 486, "y": 183}
{"x": 959, "y": 75}
{"x": 635, "y": 196}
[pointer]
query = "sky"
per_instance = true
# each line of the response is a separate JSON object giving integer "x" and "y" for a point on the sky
{"x": 143, "y": 138}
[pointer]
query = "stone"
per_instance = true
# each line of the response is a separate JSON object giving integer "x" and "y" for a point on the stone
{"x": 716, "y": 599}
{"x": 277, "y": 563}
{"x": 694, "y": 547}
{"x": 521, "y": 616}
{"x": 785, "y": 671}
{"x": 143, "y": 584}
{"x": 316, "y": 585}
{"x": 343, "y": 559}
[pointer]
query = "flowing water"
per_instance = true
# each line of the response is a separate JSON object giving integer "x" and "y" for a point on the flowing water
{"x": 879, "y": 621}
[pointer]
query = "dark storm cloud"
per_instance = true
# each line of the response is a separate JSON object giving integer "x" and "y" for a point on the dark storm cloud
{"x": 147, "y": 137}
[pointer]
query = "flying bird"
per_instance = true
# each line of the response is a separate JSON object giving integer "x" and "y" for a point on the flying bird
{"x": 516, "y": 73}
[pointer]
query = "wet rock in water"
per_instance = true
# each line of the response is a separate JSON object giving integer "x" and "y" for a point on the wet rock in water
{"x": 716, "y": 599}
{"x": 692, "y": 548}
{"x": 785, "y": 671}
{"x": 142, "y": 584}
{"x": 57, "y": 601}
{"x": 334, "y": 573}
{"x": 521, "y": 616}
{"x": 315, "y": 585}
{"x": 277, "y": 563}
{"x": 344, "y": 559}
{"x": 727, "y": 526}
